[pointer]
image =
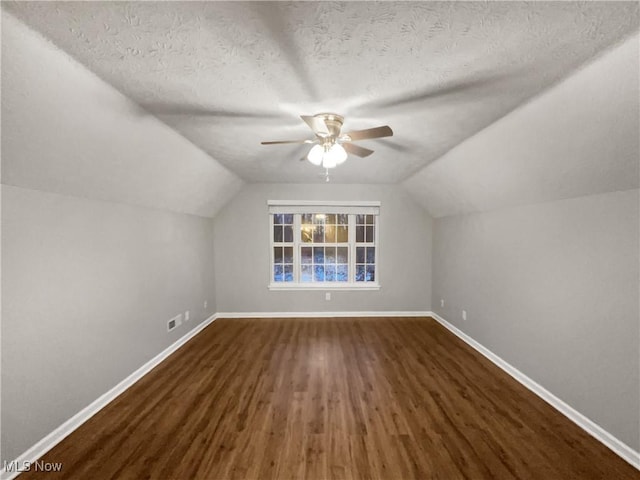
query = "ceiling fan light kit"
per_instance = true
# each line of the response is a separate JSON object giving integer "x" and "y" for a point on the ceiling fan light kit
{"x": 331, "y": 147}
{"x": 327, "y": 156}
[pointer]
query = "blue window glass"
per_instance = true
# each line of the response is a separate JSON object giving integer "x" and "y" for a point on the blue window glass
{"x": 329, "y": 273}
{"x": 371, "y": 255}
{"x": 306, "y": 273}
{"x": 371, "y": 273}
{"x": 360, "y": 271}
{"x": 278, "y": 273}
{"x": 288, "y": 273}
{"x": 342, "y": 273}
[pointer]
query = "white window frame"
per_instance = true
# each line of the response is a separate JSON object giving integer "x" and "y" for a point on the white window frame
{"x": 299, "y": 207}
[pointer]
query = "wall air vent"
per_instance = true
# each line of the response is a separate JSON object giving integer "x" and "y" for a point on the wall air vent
{"x": 174, "y": 322}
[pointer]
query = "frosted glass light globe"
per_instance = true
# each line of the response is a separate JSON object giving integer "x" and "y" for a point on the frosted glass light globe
{"x": 338, "y": 153}
{"x": 315, "y": 154}
{"x": 328, "y": 161}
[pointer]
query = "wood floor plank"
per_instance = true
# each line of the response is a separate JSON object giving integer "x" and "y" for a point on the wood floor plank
{"x": 330, "y": 398}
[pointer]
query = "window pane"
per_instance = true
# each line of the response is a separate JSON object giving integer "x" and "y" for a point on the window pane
{"x": 371, "y": 255}
{"x": 318, "y": 234}
{"x": 324, "y": 263}
{"x": 306, "y": 274}
{"x": 288, "y": 273}
{"x": 371, "y": 273}
{"x": 330, "y": 255}
{"x": 306, "y": 233}
{"x": 329, "y": 273}
{"x": 342, "y": 273}
{"x": 288, "y": 254}
{"x": 288, "y": 233}
{"x": 342, "y": 235}
{"x": 330, "y": 234}
{"x": 277, "y": 233}
{"x": 278, "y": 274}
{"x": 306, "y": 254}
{"x": 318, "y": 271}
{"x": 369, "y": 234}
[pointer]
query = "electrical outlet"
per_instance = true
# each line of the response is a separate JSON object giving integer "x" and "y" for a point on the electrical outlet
{"x": 327, "y": 296}
{"x": 464, "y": 314}
{"x": 442, "y": 302}
{"x": 186, "y": 316}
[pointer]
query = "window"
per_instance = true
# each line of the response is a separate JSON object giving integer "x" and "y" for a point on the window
{"x": 323, "y": 245}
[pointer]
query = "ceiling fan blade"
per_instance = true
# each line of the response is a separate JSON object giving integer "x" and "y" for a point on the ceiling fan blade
{"x": 160, "y": 108}
{"x": 357, "y": 150}
{"x": 376, "y": 132}
{"x": 279, "y": 142}
{"x": 316, "y": 124}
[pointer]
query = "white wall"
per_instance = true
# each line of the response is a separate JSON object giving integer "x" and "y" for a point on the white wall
{"x": 88, "y": 284}
{"x": 88, "y": 287}
{"x": 242, "y": 267}
{"x": 553, "y": 289}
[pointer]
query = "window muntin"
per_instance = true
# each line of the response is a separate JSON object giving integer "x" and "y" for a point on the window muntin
{"x": 324, "y": 249}
{"x": 282, "y": 235}
{"x": 365, "y": 249}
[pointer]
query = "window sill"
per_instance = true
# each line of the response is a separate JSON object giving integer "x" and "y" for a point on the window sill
{"x": 325, "y": 286}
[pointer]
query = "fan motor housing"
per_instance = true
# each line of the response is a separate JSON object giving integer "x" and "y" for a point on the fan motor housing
{"x": 333, "y": 121}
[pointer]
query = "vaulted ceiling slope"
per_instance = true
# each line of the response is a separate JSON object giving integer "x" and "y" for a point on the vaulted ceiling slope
{"x": 66, "y": 131}
{"x": 581, "y": 137}
{"x": 230, "y": 74}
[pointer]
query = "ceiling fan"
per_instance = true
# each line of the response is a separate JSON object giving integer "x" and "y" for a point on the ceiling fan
{"x": 331, "y": 146}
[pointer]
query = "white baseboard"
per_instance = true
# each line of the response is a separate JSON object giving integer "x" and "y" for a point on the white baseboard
{"x": 319, "y": 314}
{"x": 593, "y": 429}
{"x": 60, "y": 433}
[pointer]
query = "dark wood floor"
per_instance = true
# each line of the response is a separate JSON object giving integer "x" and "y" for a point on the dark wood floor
{"x": 384, "y": 398}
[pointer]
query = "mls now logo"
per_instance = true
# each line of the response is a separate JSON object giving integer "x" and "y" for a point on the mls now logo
{"x": 37, "y": 466}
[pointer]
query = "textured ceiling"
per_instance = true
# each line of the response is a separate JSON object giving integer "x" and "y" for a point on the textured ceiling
{"x": 228, "y": 75}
